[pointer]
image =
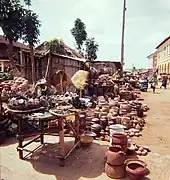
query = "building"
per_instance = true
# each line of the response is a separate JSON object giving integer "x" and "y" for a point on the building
{"x": 163, "y": 56}
{"x": 17, "y": 48}
{"x": 152, "y": 60}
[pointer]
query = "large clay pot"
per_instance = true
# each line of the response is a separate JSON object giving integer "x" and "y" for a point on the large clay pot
{"x": 119, "y": 138}
{"x": 115, "y": 156}
{"x": 115, "y": 172}
{"x": 96, "y": 128}
{"x": 136, "y": 169}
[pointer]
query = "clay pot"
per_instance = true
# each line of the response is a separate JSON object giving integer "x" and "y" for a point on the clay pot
{"x": 113, "y": 103}
{"x": 115, "y": 156}
{"x": 103, "y": 122}
{"x": 96, "y": 114}
{"x": 89, "y": 118}
{"x": 136, "y": 169}
{"x": 115, "y": 172}
{"x": 96, "y": 128}
{"x": 95, "y": 121}
{"x": 105, "y": 109}
{"x": 119, "y": 138}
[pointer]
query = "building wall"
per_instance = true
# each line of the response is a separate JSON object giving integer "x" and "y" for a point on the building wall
{"x": 163, "y": 57}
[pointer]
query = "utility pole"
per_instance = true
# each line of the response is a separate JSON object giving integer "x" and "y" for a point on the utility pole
{"x": 123, "y": 33}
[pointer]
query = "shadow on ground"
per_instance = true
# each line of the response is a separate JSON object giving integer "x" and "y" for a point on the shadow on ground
{"x": 83, "y": 162}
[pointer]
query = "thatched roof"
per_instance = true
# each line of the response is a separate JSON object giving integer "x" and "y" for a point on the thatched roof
{"x": 58, "y": 47}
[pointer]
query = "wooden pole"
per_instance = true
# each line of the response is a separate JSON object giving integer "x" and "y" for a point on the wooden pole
{"x": 123, "y": 33}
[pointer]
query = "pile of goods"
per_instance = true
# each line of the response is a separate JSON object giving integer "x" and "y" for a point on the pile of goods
{"x": 107, "y": 114}
{"x": 11, "y": 87}
{"x": 117, "y": 166}
{"x": 104, "y": 80}
{"x": 19, "y": 84}
{"x": 23, "y": 103}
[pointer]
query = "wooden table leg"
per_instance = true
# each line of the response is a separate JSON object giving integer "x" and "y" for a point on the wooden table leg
{"x": 41, "y": 123}
{"x": 61, "y": 143}
{"x": 20, "y": 138}
{"x": 77, "y": 124}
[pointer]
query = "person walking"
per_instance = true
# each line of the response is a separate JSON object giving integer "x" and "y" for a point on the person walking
{"x": 154, "y": 82}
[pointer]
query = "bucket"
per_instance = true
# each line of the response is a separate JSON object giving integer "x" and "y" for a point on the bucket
{"x": 115, "y": 128}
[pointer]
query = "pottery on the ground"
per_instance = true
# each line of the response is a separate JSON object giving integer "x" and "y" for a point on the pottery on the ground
{"x": 115, "y": 156}
{"x": 136, "y": 169}
{"x": 115, "y": 172}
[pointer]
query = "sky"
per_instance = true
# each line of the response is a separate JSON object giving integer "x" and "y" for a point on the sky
{"x": 147, "y": 24}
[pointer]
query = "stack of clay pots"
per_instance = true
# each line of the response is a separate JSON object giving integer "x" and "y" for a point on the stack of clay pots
{"x": 120, "y": 139}
{"x": 82, "y": 121}
{"x": 115, "y": 158}
{"x": 88, "y": 123}
{"x": 95, "y": 126}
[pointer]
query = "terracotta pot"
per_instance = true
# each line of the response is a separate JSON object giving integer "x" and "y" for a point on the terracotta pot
{"x": 95, "y": 121}
{"x": 115, "y": 172}
{"x": 97, "y": 114}
{"x": 119, "y": 138}
{"x": 105, "y": 109}
{"x": 96, "y": 128}
{"x": 103, "y": 122}
{"x": 115, "y": 156}
{"x": 136, "y": 169}
{"x": 89, "y": 118}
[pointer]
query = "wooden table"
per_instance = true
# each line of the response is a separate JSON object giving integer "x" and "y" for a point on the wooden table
{"x": 62, "y": 119}
{"x": 73, "y": 126}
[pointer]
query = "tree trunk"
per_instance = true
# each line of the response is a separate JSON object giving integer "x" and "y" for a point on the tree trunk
{"x": 15, "y": 70}
{"x": 32, "y": 63}
{"x": 48, "y": 66}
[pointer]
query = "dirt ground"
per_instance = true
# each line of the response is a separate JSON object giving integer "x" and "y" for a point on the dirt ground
{"x": 89, "y": 163}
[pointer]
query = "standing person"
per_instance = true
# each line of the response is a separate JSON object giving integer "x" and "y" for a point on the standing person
{"x": 164, "y": 81}
{"x": 154, "y": 83}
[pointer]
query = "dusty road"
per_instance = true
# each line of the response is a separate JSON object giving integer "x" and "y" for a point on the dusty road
{"x": 89, "y": 163}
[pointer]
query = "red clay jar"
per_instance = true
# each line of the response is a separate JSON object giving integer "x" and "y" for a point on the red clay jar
{"x": 119, "y": 138}
{"x": 115, "y": 172}
{"x": 115, "y": 156}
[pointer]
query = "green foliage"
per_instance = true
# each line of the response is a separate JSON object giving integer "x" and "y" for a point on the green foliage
{"x": 79, "y": 33}
{"x": 18, "y": 22}
{"x": 91, "y": 49}
{"x": 54, "y": 45}
{"x": 11, "y": 19}
{"x": 5, "y": 76}
{"x": 31, "y": 26}
{"x": 27, "y": 2}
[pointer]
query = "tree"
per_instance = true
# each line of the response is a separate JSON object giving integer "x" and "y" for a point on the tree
{"x": 79, "y": 33}
{"x": 91, "y": 49}
{"x": 31, "y": 32}
{"x": 11, "y": 15}
{"x": 27, "y": 2}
